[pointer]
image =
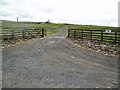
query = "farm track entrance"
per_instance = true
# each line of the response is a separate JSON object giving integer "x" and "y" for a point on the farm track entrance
{"x": 56, "y": 63}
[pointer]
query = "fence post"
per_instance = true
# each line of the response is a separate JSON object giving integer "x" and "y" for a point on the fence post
{"x": 101, "y": 35}
{"x": 115, "y": 37}
{"x": 91, "y": 34}
{"x": 23, "y": 34}
{"x": 82, "y": 34}
{"x": 42, "y": 32}
{"x": 74, "y": 33}
{"x": 68, "y": 32}
{"x": 12, "y": 35}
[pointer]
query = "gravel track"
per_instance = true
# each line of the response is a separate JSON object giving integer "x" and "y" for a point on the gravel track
{"x": 56, "y": 62}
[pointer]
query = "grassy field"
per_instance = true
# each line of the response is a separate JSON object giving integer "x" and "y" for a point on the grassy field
{"x": 109, "y": 37}
{"x": 52, "y": 28}
{"x": 92, "y": 27}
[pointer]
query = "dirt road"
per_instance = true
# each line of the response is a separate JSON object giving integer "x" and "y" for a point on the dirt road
{"x": 55, "y": 62}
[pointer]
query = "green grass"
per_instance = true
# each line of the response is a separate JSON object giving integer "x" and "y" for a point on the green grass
{"x": 91, "y": 27}
{"x": 50, "y": 28}
{"x": 96, "y": 35}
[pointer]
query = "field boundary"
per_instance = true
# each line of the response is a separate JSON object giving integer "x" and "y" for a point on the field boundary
{"x": 22, "y": 34}
{"x": 101, "y": 35}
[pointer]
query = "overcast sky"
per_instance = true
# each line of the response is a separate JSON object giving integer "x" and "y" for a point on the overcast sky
{"x": 96, "y": 12}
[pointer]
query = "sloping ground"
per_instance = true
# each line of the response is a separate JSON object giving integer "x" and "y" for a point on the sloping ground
{"x": 55, "y": 62}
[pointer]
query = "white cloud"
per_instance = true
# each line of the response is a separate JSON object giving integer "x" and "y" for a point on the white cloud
{"x": 98, "y": 12}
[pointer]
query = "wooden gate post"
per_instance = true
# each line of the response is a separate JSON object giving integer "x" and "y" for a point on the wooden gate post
{"x": 68, "y": 32}
{"x": 12, "y": 35}
{"x": 22, "y": 33}
{"x": 82, "y": 34}
{"x": 91, "y": 34}
{"x": 101, "y": 35}
{"x": 42, "y": 32}
{"x": 115, "y": 37}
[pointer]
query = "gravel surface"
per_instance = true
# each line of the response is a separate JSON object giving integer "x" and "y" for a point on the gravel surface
{"x": 98, "y": 46}
{"x": 56, "y": 62}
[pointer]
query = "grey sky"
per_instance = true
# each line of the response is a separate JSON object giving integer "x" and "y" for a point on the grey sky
{"x": 97, "y": 12}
